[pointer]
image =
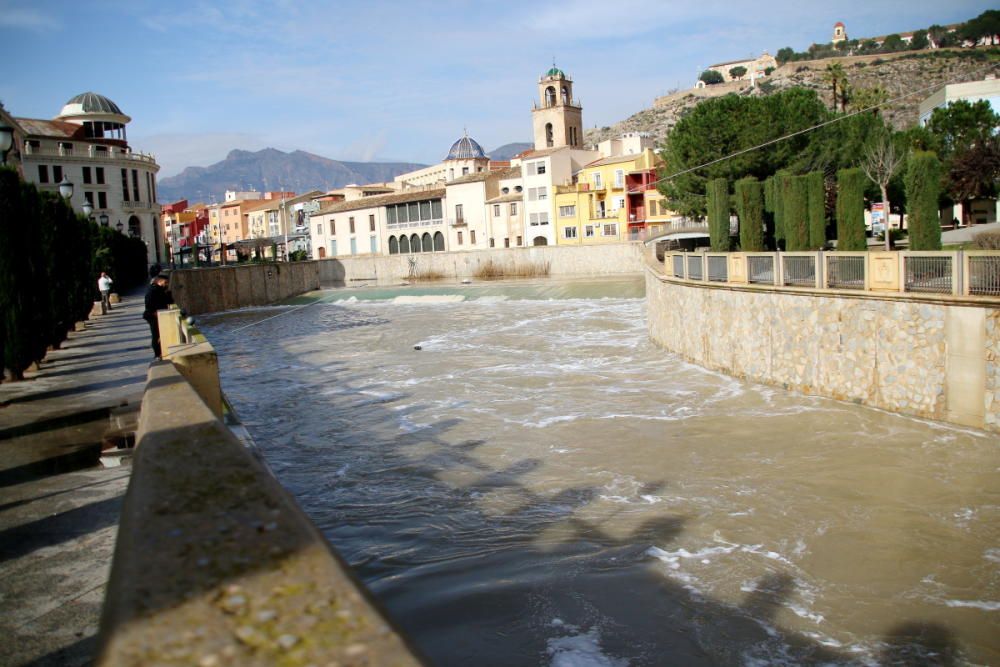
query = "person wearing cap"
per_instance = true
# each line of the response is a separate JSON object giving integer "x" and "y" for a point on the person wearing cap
{"x": 158, "y": 297}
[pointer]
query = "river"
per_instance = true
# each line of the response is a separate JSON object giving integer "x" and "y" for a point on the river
{"x": 523, "y": 478}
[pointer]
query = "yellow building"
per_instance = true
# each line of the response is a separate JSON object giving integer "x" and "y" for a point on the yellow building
{"x": 613, "y": 199}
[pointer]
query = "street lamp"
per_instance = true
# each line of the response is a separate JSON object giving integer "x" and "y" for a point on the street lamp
{"x": 119, "y": 226}
{"x": 103, "y": 217}
{"x": 6, "y": 141}
{"x": 66, "y": 188}
{"x": 87, "y": 208}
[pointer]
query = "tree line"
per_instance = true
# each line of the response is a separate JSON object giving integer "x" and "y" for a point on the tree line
{"x": 50, "y": 258}
{"x": 814, "y": 183}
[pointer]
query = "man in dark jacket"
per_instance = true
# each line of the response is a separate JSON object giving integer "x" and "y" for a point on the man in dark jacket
{"x": 158, "y": 297}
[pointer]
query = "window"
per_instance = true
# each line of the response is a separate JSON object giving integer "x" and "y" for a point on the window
{"x": 57, "y": 174}
{"x": 619, "y": 178}
{"x": 652, "y": 207}
{"x": 333, "y": 247}
{"x": 102, "y": 200}
{"x": 390, "y": 215}
{"x": 354, "y": 246}
{"x": 135, "y": 184}
{"x": 99, "y": 172}
{"x": 89, "y": 196}
{"x": 567, "y": 211}
{"x": 459, "y": 215}
{"x": 588, "y": 231}
{"x": 373, "y": 241}
{"x": 619, "y": 202}
{"x": 371, "y": 223}
{"x": 425, "y": 210}
{"x": 125, "y": 185}
{"x": 319, "y": 229}
{"x": 465, "y": 170}
{"x": 610, "y": 230}
{"x": 536, "y": 168}
{"x": 436, "y": 209}
{"x": 513, "y": 209}
{"x": 519, "y": 241}
{"x": 569, "y": 232}
{"x": 506, "y": 243}
{"x": 43, "y": 173}
{"x": 350, "y": 224}
{"x": 86, "y": 176}
{"x": 542, "y": 193}
{"x": 460, "y": 238}
{"x": 472, "y": 237}
{"x": 333, "y": 227}
{"x": 597, "y": 181}
{"x": 537, "y": 194}
{"x": 496, "y": 210}
{"x": 537, "y": 219}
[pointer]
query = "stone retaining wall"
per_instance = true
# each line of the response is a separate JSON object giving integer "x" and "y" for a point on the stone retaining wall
{"x": 597, "y": 260}
{"x": 209, "y": 290}
{"x": 923, "y": 357}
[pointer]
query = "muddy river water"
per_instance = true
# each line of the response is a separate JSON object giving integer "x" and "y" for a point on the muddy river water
{"x": 538, "y": 484}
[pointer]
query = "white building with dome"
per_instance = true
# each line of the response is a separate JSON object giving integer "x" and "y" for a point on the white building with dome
{"x": 465, "y": 157}
{"x": 87, "y": 145}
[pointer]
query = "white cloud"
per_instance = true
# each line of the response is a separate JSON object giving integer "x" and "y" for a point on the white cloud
{"x": 28, "y": 19}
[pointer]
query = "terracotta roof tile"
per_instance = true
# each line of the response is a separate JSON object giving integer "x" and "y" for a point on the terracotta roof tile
{"x": 379, "y": 200}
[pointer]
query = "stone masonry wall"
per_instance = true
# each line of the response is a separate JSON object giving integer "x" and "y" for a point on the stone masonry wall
{"x": 210, "y": 290}
{"x": 597, "y": 260}
{"x": 900, "y": 355}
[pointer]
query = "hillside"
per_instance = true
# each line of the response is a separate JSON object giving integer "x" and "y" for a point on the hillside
{"x": 897, "y": 74}
{"x": 507, "y": 151}
{"x": 271, "y": 169}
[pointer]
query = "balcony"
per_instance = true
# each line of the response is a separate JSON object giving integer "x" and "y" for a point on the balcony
{"x": 90, "y": 152}
{"x": 458, "y": 222}
{"x": 604, "y": 215}
{"x": 135, "y": 205}
{"x": 572, "y": 188}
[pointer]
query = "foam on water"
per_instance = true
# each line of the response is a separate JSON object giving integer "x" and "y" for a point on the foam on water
{"x": 581, "y": 650}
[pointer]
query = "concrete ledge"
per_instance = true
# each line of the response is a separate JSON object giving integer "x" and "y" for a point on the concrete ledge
{"x": 216, "y": 564}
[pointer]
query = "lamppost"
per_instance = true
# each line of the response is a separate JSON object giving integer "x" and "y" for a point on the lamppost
{"x": 6, "y": 141}
{"x": 66, "y": 188}
{"x": 120, "y": 227}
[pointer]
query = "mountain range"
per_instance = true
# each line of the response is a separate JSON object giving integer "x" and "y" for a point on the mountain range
{"x": 297, "y": 171}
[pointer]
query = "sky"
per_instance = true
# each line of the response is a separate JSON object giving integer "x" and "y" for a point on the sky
{"x": 389, "y": 81}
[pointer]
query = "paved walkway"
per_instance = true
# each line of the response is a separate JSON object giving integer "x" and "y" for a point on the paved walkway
{"x": 58, "y": 508}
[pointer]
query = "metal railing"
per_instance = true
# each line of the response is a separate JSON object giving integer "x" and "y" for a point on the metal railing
{"x": 718, "y": 268}
{"x": 678, "y": 266}
{"x": 695, "y": 267}
{"x": 928, "y": 273}
{"x": 798, "y": 270}
{"x": 846, "y": 271}
{"x": 982, "y": 274}
{"x": 973, "y": 273}
{"x": 760, "y": 269}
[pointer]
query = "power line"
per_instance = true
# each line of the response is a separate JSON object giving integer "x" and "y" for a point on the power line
{"x": 808, "y": 129}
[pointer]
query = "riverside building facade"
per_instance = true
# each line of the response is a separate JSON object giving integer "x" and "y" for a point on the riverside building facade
{"x": 87, "y": 145}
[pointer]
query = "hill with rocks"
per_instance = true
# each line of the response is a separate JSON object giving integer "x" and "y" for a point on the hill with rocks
{"x": 920, "y": 73}
{"x": 271, "y": 169}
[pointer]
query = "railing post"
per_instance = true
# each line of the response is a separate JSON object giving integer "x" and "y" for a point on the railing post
{"x": 779, "y": 269}
{"x": 966, "y": 287}
{"x": 957, "y": 274}
{"x": 902, "y": 272}
{"x": 820, "y": 272}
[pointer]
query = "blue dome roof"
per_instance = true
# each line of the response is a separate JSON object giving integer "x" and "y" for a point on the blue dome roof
{"x": 465, "y": 148}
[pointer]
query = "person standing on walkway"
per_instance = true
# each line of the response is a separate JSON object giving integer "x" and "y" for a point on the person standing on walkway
{"x": 158, "y": 297}
{"x": 104, "y": 286}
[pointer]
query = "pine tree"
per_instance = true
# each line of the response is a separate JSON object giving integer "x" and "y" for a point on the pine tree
{"x": 718, "y": 214}
{"x": 851, "y": 210}
{"x": 923, "y": 187}
{"x": 816, "y": 205}
{"x": 750, "y": 209}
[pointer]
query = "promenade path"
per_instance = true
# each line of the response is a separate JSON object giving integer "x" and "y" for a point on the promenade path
{"x": 58, "y": 507}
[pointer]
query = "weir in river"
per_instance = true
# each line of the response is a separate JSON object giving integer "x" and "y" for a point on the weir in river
{"x": 539, "y": 484}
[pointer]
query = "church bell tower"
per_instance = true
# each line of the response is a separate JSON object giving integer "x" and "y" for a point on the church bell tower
{"x": 557, "y": 118}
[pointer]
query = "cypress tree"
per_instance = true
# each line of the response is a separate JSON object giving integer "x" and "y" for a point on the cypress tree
{"x": 750, "y": 209}
{"x": 816, "y": 206}
{"x": 923, "y": 187}
{"x": 782, "y": 186}
{"x": 851, "y": 210}
{"x": 795, "y": 213}
{"x": 17, "y": 322}
{"x": 718, "y": 214}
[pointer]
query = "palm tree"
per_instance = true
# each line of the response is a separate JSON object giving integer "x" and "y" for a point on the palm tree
{"x": 835, "y": 76}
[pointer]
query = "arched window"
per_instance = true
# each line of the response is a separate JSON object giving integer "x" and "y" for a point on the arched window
{"x": 540, "y": 240}
{"x": 414, "y": 243}
{"x": 550, "y": 96}
{"x": 438, "y": 241}
{"x": 565, "y": 95}
{"x": 134, "y": 227}
{"x": 393, "y": 246}
{"x": 404, "y": 244}
{"x": 548, "y": 135}
{"x": 427, "y": 243}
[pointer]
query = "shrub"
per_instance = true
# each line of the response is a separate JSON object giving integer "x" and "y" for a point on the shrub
{"x": 718, "y": 214}
{"x": 923, "y": 187}
{"x": 750, "y": 209}
{"x": 986, "y": 241}
{"x": 491, "y": 270}
{"x": 795, "y": 213}
{"x": 851, "y": 210}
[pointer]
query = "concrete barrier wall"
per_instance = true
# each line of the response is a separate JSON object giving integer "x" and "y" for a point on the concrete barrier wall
{"x": 209, "y": 290}
{"x": 923, "y": 356}
{"x": 216, "y": 564}
{"x": 611, "y": 259}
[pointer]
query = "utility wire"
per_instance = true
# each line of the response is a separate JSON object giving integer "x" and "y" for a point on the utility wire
{"x": 809, "y": 129}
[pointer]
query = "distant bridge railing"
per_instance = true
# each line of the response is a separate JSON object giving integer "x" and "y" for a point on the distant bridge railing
{"x": 968, "y": 273}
